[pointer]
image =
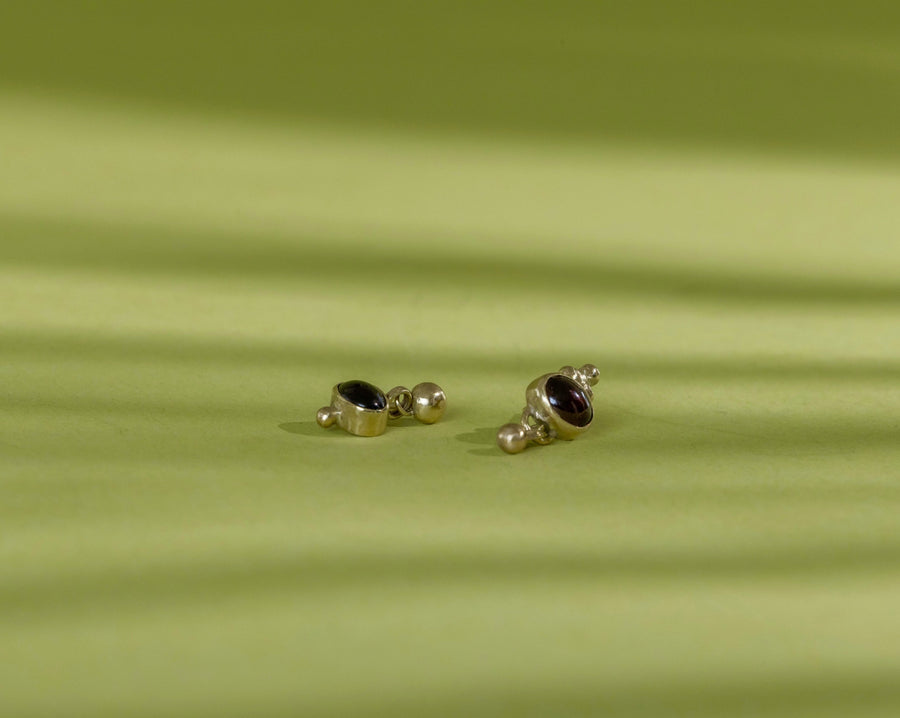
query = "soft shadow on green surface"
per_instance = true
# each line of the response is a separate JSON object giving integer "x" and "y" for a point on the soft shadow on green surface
{"x": 88, "y": 591}
{"x": 164, "y": 252}
{"x": 483, "y": 436}
{"x": 310, "y": 428}
{"x": 486, "y": 438}
{"x": 786, "y": 77}
{"x": 24, "y": 345}
{"x": 786, "y": 696}
{"x": 179, "y": 538}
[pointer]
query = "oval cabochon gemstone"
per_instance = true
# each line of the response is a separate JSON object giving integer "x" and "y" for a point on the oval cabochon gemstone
{"x": 363, "y": 394}
{"x": 569, "y": 400}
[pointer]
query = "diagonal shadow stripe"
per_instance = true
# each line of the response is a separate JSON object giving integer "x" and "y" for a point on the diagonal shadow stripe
{"x": 163, "y": 251}
{"x": 25, "y": 345}
{"x": 737, "y": 73}
{"x": 191, "y": 582}
{"x": 823, "y": 693}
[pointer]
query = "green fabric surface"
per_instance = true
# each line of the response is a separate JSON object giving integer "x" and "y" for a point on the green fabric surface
{"x": 210, "y": 213}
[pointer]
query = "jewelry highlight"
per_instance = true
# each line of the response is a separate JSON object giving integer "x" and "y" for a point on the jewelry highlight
{"x": 558, "y": 406}
{"x": 363, "y": 409}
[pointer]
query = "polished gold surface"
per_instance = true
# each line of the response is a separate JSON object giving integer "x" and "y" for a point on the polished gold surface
{"x": 429, "y": 402}
{"x": 541, "y": 423}
{"x": 426, "y": 402}
{"x": 351, "y": 418}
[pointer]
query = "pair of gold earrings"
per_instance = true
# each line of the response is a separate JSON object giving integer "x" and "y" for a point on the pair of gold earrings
{"x": 557, "y": 406}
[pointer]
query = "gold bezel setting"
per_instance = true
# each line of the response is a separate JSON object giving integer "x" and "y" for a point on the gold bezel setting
{"x": 542, "y": 409}
{"x": 542, "y": 421}
{"x": 367, "y": 413}
{"x": 355, "y": 419}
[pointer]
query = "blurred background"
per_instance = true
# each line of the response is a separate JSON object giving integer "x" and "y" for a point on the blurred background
{"x": 211, "y": 212}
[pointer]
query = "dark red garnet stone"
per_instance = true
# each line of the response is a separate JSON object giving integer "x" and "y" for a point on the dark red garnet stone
{"x": 363, "y": 394}
{"x": 569, "y": 400}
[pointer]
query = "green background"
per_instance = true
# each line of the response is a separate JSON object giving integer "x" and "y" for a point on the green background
{"x": 212, "y": 212}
